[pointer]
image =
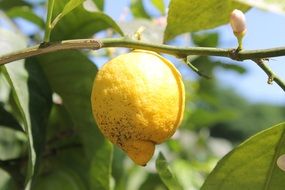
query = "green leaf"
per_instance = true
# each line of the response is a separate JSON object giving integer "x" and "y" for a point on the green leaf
{"x": 70, "y": 27}
{"x": 159, "y": 4}
{"x": 12, "y": 143}
{"x": 8, "y": 4}
{"x": 166, "y": 174}
{"x": 71, "y": 5}
{"x": 191, "y": 15}
{"x": 31, "y": 94}
{"x": 231, "y": 66}
{"x": 99, "y": 4}
{"x": 138, "y": 9}
{"x": 69, "y": 158}
{"x": 27, "y": 13}
{"x": 6, "y": 181}
{"x": 206, "y": 39}
{"x": 102, "y": 162}
{"x": 68, "y": 7}
{"x": 252, "y": 165}
{"x": 59, "y": 179}
{"x": 276, "y": 6}
{"x": 8, "y": 120}
{"x": 71, "y": 75}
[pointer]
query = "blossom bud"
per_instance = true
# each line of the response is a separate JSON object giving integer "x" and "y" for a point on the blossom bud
{"x": 238, "y": 23}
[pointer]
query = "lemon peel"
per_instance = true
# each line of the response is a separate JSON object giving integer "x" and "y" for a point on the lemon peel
{"x": 138, "y": 101}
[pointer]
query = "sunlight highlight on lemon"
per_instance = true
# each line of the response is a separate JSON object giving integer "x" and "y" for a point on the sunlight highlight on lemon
{"x": 138, "y": 102}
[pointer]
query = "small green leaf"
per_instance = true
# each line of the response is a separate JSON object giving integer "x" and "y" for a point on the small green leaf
{"x": 253, "y": 164}
{"x": 6, "y": 181}
{"x": 275, "y": 6}
{"x": 231, "y": 66}
{"x": 99, "y": 4}
{"x": 159, "y": 4}
{"x": 70, "y": 27}
{"x": 206, "y": 39}
{"x": 138, "y": 9}
{"x": 69, "y": 6}
{"x": 59, "y": 179}
{"x": 191, "y": 15}
{"x": 166, "y": 174}
{"x": 27, "y": 13}
{"x": 72, "y": 4}
{"x": 8, "y": 120}
{"x": 8, "y": 4}
{"x": 102, "y": 162}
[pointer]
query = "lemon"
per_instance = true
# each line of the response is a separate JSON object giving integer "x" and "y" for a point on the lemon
{"x": 138, "y": 102}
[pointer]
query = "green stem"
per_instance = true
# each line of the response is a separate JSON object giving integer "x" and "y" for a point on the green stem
{"x": 255, "y": 55}
{"x": 134, "y": 44}
{"x": 271, "y": 75}
{"x": 48, "y": 27}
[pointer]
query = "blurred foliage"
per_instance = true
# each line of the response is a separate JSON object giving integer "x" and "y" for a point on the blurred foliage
{"x": 70, "y": 151}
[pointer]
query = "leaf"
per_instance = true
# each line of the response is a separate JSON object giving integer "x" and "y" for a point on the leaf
{"x": 72, "y": 4}
{"x": 71, "y": 75}
{"x": 27, "y": 13}
{"x": 252, "y": 165}
{"x": 191, "y": 15}
{"x": 101, "y": 180}
{"x": 68, "y": 7}
{"x": 231, "y": 66}
{"x": 8, "y": 4}
{"x": 165, "y": 173}
{"x": 6, "y": 181}
{"x": 138, "y": 10}
{"x": 8, "y": 120}
{"x": 70, "y": 27}
{"x": 206, "y": 39}
{"x": 59, "y": 179}
{"x": 275, "y": 6}
{"x": 27, "y": 83}
{"x": 99, "y": 4}
{"x": 12, "y": 143}
{"x": 159, "y": 4}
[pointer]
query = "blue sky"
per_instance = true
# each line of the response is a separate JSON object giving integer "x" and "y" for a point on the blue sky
{"x": 265, "y": 30}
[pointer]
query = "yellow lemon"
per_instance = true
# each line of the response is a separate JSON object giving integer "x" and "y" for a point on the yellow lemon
{"x": 138, "y": 102}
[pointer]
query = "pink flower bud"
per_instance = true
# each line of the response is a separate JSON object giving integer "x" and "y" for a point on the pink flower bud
{"x": 238, "y": 23}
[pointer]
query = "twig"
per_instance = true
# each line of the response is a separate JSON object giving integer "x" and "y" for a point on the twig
{"x": 195, "y": 69}
{"x": 271, "y": 75}
{"x": 134, "y": 44}
{"x": 255, "y": 55}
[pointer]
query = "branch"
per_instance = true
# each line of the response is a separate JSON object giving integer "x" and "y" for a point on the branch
{"x": 94, "y": 44}
{"x": 271, "y": 75}
{"x": 134, "y": 44}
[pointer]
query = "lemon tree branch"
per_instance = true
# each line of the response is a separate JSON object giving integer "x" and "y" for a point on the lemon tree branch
{"x": 180, "y": 52}
{"x": 271, "y": 75}
{"x": 135, "y": 44}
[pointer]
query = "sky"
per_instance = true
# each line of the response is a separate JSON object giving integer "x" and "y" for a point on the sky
{"x": 265, "y": 30}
